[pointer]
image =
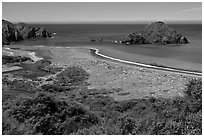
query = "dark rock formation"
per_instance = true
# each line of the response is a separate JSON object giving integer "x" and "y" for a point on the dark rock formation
{"x": 31, "y": 32}
{"x": 156, "y": 33}
{"x": 11, "y": 32}
{"x": 134, "y": 38}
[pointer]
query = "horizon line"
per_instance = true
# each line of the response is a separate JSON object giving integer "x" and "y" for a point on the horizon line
{"x": 113, "y": 22}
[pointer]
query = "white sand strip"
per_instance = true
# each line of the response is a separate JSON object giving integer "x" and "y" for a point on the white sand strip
{"x": 149, "y": 66}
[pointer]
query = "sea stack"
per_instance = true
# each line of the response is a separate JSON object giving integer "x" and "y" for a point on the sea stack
{"x": 21, "y": 31}
{"x": 156, "y": 33}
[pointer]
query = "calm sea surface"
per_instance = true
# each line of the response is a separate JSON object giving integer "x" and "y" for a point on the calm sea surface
{"x": 81, "y": 34}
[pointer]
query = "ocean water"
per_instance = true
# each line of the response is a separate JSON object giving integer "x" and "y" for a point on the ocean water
{"x": 185, "y": 56}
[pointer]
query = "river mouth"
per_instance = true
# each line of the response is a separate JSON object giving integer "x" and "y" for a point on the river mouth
{"x": 32, "y": 70}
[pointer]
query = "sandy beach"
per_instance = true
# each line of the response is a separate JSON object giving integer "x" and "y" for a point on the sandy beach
{"x": 125, "y": 81}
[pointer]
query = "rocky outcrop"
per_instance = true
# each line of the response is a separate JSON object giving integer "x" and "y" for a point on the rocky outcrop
{"x": 31, "y": 32}
{"x": 134, "y": 38}
{"x": 21, "y": 31}
{"x": 156, "y": 33}
{"x": 9, "y": 33}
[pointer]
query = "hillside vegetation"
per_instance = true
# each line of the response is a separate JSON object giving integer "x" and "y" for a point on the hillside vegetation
{"x": 67, "y": 106}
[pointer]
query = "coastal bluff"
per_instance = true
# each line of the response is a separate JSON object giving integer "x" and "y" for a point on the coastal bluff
{"x": 20, "y": 31}
{"x": 155, "y": 33}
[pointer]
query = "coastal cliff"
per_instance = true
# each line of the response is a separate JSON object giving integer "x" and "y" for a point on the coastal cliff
{"x": 21, "y": 31}
{"x": 155, "y": 33}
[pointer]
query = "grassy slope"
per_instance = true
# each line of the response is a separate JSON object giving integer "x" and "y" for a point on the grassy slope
{"x": 68, "y": 107}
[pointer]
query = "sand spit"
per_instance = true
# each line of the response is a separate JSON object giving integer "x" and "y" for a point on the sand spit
{"x": 179, "y": 71}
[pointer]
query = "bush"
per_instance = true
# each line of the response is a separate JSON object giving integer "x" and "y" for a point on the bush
{"x": 43, "y": 114}
{"x": 67, "y": 80}
{"x": 50, "y": 116}
{"x": 72, "y": 76}
{"x": 127, "y": 125}
{"x": 99, "y": 130}
{"x": 194, "y": 89}
{"x": 55, "y": 88}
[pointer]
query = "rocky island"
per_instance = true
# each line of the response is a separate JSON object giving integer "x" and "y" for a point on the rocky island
{"x": 155, "y": 33}
{"x": 20, "y": 31}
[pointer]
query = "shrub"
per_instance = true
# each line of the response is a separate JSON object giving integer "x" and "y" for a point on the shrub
{"x": 43, "y": 114}
{"x": 55, "y": 88}
{"x": 99, "y": 130}
{"x": 67, "y": 80}
{"x": 72, "y": 76}
{"x": 50, "y": 116}
{"x": 194, "y": 89}
{"x": 128, "y": 125}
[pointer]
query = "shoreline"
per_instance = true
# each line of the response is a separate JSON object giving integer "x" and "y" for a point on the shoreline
{"x": 96, "y": 52}
{"x": 125, "y": 81}
{"x": 162, "y": 68}
{"x": 168, "y": 61}
{"x": 172, "y": 63}
{"x": 149, "y": 66}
